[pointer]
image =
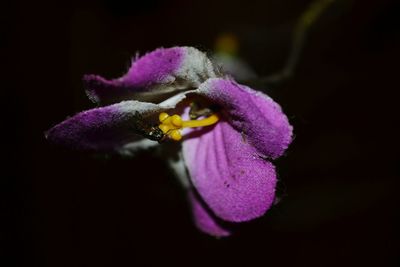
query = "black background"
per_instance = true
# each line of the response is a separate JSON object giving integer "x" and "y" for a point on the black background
{"x": 338, "y": 180}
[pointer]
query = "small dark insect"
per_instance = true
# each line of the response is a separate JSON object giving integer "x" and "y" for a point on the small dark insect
{"x": 147, "y": 130}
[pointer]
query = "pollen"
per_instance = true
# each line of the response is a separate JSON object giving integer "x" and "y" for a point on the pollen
{"x": 172, "y": 125}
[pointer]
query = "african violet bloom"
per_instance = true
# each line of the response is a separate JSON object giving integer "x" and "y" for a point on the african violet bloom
{"x": 227, "y": 132}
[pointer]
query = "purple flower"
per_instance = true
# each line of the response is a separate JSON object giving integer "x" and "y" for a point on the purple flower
{"x": 227, "y": 145}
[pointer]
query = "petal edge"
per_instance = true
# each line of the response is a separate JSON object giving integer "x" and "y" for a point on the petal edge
{"x": 230, "y": 177}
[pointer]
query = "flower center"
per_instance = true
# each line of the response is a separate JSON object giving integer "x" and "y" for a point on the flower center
{"x": 171, "y": 125}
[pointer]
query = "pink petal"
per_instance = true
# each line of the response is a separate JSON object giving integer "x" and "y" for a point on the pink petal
{"x": 229, "y": 175}
{"x": 251, "y": 113}
{"x": 102, "y": 129}
{"x": 161, "y": 72}
{"x": 203, "y": 219}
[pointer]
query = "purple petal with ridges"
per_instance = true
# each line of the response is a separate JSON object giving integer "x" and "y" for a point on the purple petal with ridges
{"x": 203, "y": 219}
{"x": 153, "y": 68}
{"x": 162, "y": 71}
{"x": 231, "y": 178}
{"x": 101, "y": 129}
{"x": 253, "y": 114}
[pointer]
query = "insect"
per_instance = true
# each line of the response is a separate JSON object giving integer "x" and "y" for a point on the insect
{"x": 147, "y": 130}
{"x": 153, "y": 132}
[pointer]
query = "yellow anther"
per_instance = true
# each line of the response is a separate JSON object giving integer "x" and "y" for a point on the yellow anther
{"x": 163, "y": 116}
{"x": 177, "y": 120}
{"x": 175, "y": 135}
{"x": 164, "y": 128}
{"x": 171, "y": 125}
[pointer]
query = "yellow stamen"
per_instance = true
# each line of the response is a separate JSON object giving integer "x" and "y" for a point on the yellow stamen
{"x": 171, "y": 125}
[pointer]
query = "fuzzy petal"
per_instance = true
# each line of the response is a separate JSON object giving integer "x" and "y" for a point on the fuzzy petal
{"x": 161, "y": 72}
{"x": 253, "y": 114}
{"x": 201, "y": 216}
{"x": 232, "y": 179}
{"x": 102, "y": 129}
{"x": 130, "y": 149}
{"x": 203, "y": 219}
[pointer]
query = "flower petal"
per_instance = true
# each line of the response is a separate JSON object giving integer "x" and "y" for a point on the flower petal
{"x": 102, "y": 129}
{"x": 253, "y": 114}
{"x": 203, "y": 219}
{"x": 130, "y": 149}
{"x": 161, "y": 72}
{"x": 232, "y": 179}
{"x": 177, "y": 165}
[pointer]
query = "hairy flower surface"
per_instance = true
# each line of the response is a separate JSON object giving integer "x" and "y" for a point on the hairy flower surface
{"x": 227, "y": 144}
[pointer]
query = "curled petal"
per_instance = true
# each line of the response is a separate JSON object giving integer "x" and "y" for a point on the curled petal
{"x": 232, "y": 179}
{"x": 251, "y": 113}
{"x": 162, "y": 72}
{"x": 203, "y": 219}
{"x": 102, "y": 129}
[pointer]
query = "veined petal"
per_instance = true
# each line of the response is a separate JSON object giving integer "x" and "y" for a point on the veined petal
{"x": 252, "y": 113}
{"x": 102, "y": 129}
{"x": 229, "y": 175}
{"x": 203, "y": 219}
{"x": 161, "y": 72}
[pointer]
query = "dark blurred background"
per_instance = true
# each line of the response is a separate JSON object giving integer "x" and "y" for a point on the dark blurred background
{"x": 338, "y": 181}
